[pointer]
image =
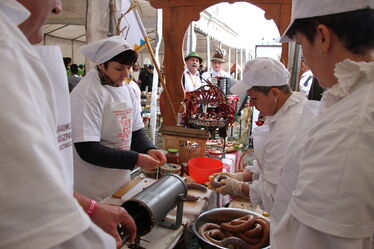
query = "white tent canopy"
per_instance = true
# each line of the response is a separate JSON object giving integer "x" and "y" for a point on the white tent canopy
{"x": 217, "y": 30}
{"x": 82, "y": 21}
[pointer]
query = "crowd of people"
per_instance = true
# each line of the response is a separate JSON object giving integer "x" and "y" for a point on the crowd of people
{"x": 62, "y": 153}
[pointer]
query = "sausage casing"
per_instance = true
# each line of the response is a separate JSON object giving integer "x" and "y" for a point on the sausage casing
{"x": 236, "y": 242}
{"x": 191, "y": 198}
{"x": 216, "y": 182}
{"x": 197, "y": 186}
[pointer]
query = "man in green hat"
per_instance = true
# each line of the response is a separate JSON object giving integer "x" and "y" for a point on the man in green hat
{"x": 191, "y": 77}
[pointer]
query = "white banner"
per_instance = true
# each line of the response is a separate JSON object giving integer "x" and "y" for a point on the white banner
{"x": 132, "y": 27}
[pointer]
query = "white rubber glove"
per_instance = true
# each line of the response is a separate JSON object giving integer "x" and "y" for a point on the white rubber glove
{"x": 232, "y": 187}
{"x": 238, "y": 176}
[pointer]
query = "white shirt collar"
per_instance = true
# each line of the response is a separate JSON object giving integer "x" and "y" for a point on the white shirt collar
{"x": 16, "y": 12}
{"x": 188, "y": 71}
{"x": 215, "y": 73}
{"x": 294, "y": 99}
{"x": 349, "y": 73}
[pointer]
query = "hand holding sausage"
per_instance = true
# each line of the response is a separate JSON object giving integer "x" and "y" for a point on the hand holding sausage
{"x": 237, "y": 176}
{"x": 244, "y": 176}
{"x": 231, "y": 187}
{"x": 218, "y": 181}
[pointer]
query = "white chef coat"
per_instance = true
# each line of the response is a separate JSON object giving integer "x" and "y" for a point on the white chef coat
{"x": 108, "y": 115}
{"x": 259, "y": 136}
{"x": 51, "y": 57}
{"x": 281, "y": 127}
{"x": 192, "y": 82}
{"x": 37, "y": 209}
{"x": 289, "y": 169}
{"x": 331, "y": 204}
{"x": 93, "y": 238}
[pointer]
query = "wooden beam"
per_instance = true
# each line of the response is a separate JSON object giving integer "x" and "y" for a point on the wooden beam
{"x": 177, "y": 15}
{"x": 192, "y": 3}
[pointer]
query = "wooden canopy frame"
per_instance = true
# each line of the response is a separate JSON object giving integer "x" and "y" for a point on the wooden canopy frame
{"x": 177, "y": 15}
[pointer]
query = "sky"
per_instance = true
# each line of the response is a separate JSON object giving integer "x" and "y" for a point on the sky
{"x": 249, "y": 21}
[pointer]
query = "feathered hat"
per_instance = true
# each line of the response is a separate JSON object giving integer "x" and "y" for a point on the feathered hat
{"x": 218, "y": 56}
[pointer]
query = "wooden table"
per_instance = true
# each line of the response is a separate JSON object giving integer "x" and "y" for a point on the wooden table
{"x": 164, "y": 238}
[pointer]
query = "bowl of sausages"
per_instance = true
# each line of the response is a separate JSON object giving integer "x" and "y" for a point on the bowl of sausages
{"x": 232, "y": 228}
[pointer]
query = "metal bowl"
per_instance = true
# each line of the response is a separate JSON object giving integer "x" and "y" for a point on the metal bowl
{"x": 218, "y": 216}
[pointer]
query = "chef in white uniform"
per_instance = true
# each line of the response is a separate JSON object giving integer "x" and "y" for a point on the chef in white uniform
{"x": 107, "y": 217}
{"x": 108, "y": 132}
{"x": 265, "y": 80}
{"x": 37, "y": 204}
{"x": 324, "y": 197}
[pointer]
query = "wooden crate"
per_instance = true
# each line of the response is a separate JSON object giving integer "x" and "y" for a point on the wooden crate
{"x": 179, "y": 138}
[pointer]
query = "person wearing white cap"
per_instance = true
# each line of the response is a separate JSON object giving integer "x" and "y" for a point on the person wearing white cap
{"x": 265, "y": 80}
{"x": 324, "y": 197}
{"x": 36, "y": 187}
{"x": 108, "y": 134}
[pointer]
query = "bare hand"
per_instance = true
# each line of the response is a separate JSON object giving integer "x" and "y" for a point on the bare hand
{"x": 158, "y": 155}
{"x": 147, "y": 162}
{"x": 108, "y": 217}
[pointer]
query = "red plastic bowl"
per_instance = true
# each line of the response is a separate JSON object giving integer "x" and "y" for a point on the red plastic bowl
{"x": 200, "y": 168}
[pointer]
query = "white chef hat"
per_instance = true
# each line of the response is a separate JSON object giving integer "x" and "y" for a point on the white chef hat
{"x": 314, "y": 8}
{"x": 103, "y": 50}
{"x": 262, "y": 71}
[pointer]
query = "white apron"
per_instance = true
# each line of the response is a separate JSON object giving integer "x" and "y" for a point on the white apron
{"x": 37, "y": 210}
{"x": 116, "y": 131}
{"x": 260, "y": 136}
{"x": 52, "y": 60}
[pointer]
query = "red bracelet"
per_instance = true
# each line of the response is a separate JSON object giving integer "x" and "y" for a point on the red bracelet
{"x": 91, "y": 208}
